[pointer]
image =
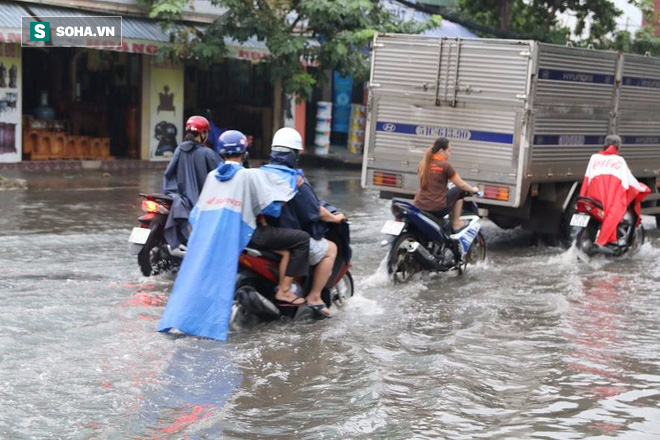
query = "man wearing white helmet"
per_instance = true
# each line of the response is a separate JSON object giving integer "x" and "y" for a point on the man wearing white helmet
{"x": 306, "y": 212}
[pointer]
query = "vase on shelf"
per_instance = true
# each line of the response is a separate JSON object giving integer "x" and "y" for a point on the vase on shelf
{"x": 44, "y": 111}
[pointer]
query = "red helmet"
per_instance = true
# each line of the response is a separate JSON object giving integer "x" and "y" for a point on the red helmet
{"x": 198, "y": 123}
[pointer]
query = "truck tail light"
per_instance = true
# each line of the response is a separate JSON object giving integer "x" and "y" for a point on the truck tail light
{"x": 496, "y": 192}
{"x": 388, "y": 179}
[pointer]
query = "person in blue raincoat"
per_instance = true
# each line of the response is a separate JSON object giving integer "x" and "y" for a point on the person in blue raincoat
{"x": 306, "y": 212}
{"x": 184, "y": 178}
{"x": 224, "y": 221}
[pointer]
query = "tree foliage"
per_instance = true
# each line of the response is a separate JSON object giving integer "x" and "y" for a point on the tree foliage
{"x": 325, "y": 34}
{"x": 595, "y": 20}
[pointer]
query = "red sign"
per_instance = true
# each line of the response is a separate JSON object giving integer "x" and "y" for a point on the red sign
{"x": 10, "y": 37}
{"x": 126, "y": 46}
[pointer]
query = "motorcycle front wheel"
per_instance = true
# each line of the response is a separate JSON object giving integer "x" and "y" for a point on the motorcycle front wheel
{"x": 401, "y": 265}
{"x": 477, "y": 251}
{"x": 344, "y": 290}
{"x": 638, "y": 239}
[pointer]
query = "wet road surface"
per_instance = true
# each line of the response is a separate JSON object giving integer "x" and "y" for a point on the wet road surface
{"x": 530, "y": 344}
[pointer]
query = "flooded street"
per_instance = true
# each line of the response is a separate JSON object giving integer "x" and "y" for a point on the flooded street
{"x": 529, "y": 344}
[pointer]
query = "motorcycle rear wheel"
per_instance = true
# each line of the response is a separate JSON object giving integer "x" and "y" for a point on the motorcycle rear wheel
{"x": 241, "y": 316}
{"x": 151, "y": 259}
{"x": 401, "y": 265}
{"x": 586, "y": 237}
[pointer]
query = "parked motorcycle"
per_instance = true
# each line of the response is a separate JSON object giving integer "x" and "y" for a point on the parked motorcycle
{"x": 588, "y": 219}
{"x": 423, "y": 242}
{"x": 154, "y": 255}
{"x": 258, "y": 277}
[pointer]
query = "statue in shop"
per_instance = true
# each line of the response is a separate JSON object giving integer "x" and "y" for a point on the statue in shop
{"x": 13, "y": 76}
{"x": 166, "y": 100}
{"x": 3, "y": 75}
{"x": 165, "y": 132}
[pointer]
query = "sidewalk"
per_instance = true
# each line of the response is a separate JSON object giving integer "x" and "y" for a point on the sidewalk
{"x": 339, "y": 157}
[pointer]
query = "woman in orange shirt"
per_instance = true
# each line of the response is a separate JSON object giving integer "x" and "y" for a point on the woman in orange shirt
{"x": 434, "y": 173}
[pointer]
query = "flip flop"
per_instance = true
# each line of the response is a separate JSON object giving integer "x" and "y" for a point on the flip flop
{"x": 295, "y": 303}
{"x": 317, "y": 310}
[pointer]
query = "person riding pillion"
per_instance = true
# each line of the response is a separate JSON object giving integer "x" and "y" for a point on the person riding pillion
{"x": 435, "y": 172}
{"x": 306, "y": 212}
{"x": 185, "y": 176}
{"x": 224, "y": 220}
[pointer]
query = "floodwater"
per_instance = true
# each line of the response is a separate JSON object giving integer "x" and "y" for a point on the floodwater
{"x": 530, "y": 344}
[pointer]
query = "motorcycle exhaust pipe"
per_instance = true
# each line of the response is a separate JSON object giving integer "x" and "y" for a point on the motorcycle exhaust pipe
{"x": 423, "y": 256}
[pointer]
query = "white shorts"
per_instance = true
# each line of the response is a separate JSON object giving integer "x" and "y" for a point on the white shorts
{"x": 317, "y": 250}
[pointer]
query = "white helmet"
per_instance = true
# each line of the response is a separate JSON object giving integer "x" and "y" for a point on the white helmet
{"x": 288, "y": 138}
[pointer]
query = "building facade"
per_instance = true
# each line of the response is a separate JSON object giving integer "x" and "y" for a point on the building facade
{"x": 121, "y": 101}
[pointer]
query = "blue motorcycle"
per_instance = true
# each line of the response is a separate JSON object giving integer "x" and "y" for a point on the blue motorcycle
{"x": 422, "y": 242}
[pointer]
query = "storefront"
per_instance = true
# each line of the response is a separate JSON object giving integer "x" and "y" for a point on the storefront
{"x": 113, "y": 102}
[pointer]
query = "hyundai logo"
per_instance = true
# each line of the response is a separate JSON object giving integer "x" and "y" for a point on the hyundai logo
{"x": 389, "y": 127}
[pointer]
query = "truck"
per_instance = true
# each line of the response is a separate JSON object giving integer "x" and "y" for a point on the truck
{"x": 523, "y": 118}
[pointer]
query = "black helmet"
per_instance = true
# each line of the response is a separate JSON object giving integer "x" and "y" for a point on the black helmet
{"x": 612, "y": 139}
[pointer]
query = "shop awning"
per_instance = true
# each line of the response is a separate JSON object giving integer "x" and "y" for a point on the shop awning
{"x": 139, "y": 35}
{"x": 10, "y": 22}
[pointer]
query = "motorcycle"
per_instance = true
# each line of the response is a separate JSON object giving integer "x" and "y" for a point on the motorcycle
{"x": 258, "y": 277}
{"x": 588, "y": 219}
{"x": 422, "y": 242}
{"x": 154, "y": 254}
{"x": 258, "y": 274}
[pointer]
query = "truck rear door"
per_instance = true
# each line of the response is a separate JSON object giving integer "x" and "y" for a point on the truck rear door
{"x": 473, "y": 92}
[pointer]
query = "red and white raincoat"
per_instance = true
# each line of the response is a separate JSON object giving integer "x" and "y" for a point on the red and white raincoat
{"x": 609, "y": 181}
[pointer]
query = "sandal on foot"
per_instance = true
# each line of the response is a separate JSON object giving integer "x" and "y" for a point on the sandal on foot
{"x": 318, "y": 310}
{"x": 298, "y": 302}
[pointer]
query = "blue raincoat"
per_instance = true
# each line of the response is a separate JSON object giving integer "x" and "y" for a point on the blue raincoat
{"x": 223, "y": 221}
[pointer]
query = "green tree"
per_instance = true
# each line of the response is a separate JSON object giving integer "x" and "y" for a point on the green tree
{"x": 539, "y": 19}
{"x": 321, "y": 33}
{"x": 643, "y": 41}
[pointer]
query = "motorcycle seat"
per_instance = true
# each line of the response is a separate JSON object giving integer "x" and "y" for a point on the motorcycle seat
{"x": 437, "y": 220}
{"x": 405, "y": 202}
{"x": 159, "y": 196}
{"x": 263, "y": 253}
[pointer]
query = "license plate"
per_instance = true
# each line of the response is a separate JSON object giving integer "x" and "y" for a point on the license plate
{"x": 392, "y": 227}
{"x": 580, "y": 220}
{"x": 139, "y": 235}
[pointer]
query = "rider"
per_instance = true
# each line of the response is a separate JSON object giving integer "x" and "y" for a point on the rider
{"x": 185, "y": 176}
{"x": 231, "y": 145}
{"x": 434, "y": 173}
{"x": 305, "y": 211}
{"x": 224, "y": 219}
{"x": 609, "y": 181}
